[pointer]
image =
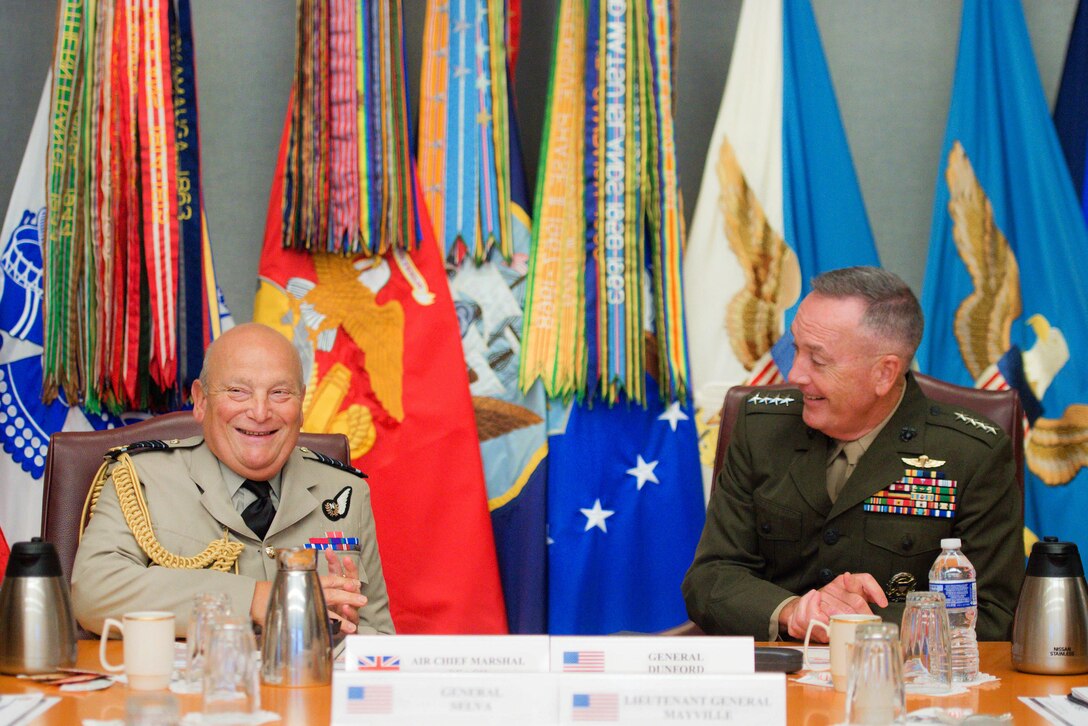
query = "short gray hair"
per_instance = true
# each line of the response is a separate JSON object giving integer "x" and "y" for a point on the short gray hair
{"x": 892, "y": 311}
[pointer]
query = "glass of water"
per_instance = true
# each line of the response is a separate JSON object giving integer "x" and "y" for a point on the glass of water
{"x": 232, "y": 690}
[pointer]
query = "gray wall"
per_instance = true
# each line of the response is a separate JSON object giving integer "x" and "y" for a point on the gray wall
{"x": 891, "y": 61}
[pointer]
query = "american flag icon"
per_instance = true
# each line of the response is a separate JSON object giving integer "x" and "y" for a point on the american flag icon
{"x": 370, "y": 699}
{"x": 379, "y": 663}
{"x": 595, "y": 707}
{"x": 583, "y": 661}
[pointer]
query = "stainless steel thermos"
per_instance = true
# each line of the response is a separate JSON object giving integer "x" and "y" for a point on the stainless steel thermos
{"x": 37, "y": 630}
{"x": 1050, "y": 627}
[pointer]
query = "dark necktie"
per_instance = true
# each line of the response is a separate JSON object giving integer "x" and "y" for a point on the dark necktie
{"x": 259, "y": 514}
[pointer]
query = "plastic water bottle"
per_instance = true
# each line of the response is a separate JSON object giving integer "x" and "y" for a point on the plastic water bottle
{"x": 954, "y": 575}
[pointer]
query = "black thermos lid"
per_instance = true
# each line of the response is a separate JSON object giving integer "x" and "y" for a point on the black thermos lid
{"x": 1051, "y": 558}
{"x": 36, "y": 558}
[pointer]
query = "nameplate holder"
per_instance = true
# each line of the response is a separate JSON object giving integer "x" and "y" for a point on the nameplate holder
{"x": 447, "y": 653}
{"x": 653, "y": 655}
{"x": 373, "y": 697}
{"x": 641, "y": 699}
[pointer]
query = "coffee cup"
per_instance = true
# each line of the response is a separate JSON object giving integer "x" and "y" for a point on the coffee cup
{"x": 840, "y": 635}
{"x": 148, "y": 648}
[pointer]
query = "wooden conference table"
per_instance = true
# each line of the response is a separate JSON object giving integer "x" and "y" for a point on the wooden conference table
{"x": 805, "y": 705}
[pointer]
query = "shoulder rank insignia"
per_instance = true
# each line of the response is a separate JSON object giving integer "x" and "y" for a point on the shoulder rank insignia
{"x": 980, "y": 425}
{"x": 137, "y": 447}
{"x": 776, "y": 399}
{"x": 329, "y": 461}
{"x": 923, "y": 462}
{"x": 337, "y": 507}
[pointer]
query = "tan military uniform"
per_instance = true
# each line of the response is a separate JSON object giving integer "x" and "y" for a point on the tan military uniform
{"x": 189, "y": 507}
{"x": 772, "y": 531}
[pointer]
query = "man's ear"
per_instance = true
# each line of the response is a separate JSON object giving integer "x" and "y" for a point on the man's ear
{"x": 200, "y": 401}
{"x": 886, "y": 373}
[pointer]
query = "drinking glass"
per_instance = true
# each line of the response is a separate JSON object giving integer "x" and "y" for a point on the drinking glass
{"x": 231, "y": 673}
{"x": 927, "y": 643}
{"x": 151, "y": 708}
{"x": 874, "y": 692}
{"x": 206, "y": 605}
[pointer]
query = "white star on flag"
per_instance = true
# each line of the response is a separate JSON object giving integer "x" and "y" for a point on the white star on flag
{"x": 595, "y": 517}
{"x": 644, "y": 472}
{"x": 673, "y": 415}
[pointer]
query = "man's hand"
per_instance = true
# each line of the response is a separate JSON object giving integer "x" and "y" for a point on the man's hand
{"x": 343, "y": 591}
{"x": 847, "y": 593}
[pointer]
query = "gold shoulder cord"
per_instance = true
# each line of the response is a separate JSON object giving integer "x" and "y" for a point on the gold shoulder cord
{"x": 220, "y": 554}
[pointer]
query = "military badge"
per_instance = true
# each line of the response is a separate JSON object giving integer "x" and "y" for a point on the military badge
{"x": 899, "y": 585}
{"x": 922, "y": 491}
{"x": 337, "y": 507}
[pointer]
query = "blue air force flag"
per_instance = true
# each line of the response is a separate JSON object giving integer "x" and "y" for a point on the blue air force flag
{"x": 779, "y": 204}
{"x": 25, "y": 422}
{"x": 624, "y": 515}
{"x": 1004, "y": 297}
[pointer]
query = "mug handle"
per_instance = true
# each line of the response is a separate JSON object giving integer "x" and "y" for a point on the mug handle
{"x": 808, "y": 634}
{"x": 105, "y": 639}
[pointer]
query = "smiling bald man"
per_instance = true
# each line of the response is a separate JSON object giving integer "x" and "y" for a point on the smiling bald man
{"x": 244, "y": 485}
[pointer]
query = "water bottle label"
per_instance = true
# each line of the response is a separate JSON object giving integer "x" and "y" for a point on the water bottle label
{"x": 958, "y": 594}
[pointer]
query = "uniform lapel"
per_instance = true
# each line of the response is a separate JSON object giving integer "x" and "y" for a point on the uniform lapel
{"x": 209, "y": 478}
{"x": 882, "y": 463}
{"x": 296, "y": 500}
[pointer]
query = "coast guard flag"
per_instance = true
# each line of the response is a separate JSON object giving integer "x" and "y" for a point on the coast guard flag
{"x": 25, "y": 422}
{"x": 1004, "y": 293}
{"x": 779, "y": 204}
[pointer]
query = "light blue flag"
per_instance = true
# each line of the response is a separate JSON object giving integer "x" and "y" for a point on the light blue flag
{"x": 1004, "y": 293}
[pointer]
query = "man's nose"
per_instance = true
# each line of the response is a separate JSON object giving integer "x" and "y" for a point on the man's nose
{"x": 260, "y": 407}
{"x": 798, "y": 372}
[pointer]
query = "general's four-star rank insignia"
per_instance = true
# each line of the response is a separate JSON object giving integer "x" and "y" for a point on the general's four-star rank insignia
{"x": 923, "y": 491}
{"x": 337, "y": 507}
{"x": 960, "y": 416}
{"x": 775, "y": 400}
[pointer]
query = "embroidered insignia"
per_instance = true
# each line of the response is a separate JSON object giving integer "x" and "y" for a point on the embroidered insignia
{"x": 337, "y": 507}
{"x": 329, "y": 461}
{"x": 921, "y": 492}
{"x": 771, "y": 400}
{"x": 137, "y": 447}
{"x": 899, "y": 585}
{"x": 976, "y": 423}
{"x": 923, "y": 462}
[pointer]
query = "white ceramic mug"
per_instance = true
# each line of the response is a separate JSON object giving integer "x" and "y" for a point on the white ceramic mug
{"x": 148, "y": 648}
{"x": 840, "y": 635}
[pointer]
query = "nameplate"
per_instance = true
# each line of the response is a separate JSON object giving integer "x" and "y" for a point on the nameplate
{"x": 635, "y": 699}
{"x": 367, "y": 697}
{"x": 689, "y": 655}
{"x": 447, "y": 653}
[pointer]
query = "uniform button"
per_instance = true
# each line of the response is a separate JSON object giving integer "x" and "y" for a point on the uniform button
{"x": 831, "y": 536}
{"x": 271, "y": 552}
{"x": 908, "y": 542}
{"x": 935, "y": 410}
{"x": 826, "y": 575}
{"x": 765, "y": 528}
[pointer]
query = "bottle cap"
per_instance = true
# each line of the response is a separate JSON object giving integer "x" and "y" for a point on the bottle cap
{"x": 951, "y": 543}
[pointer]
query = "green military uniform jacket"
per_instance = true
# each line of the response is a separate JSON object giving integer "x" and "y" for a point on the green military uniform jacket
{"x": 189, "y": 507}
{"x": 772, "y": 531}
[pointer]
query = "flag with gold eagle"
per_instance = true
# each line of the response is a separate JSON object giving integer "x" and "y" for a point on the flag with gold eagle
{"x": 1004, "y": 297}
{"x": 779, "y": 204}
{"x": 352, "y": 274}
{"x": 383, "y": 364}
